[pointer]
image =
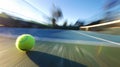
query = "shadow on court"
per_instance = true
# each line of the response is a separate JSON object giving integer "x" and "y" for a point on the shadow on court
{"x": 47, "y": 60}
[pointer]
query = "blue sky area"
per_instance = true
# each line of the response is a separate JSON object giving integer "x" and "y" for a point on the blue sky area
{"x": 72, "y": 9}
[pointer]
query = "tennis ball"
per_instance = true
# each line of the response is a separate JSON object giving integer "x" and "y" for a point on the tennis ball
{"x": 25, "y": 42}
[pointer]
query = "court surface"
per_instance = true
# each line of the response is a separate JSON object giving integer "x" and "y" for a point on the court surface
{"x": 60, "y": 48}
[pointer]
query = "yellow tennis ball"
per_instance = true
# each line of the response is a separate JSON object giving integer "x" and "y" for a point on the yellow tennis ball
{"x": 25, "y": 42}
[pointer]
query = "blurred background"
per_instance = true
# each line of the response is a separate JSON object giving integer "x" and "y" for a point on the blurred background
{"x": 58, "y": 14}
{"x": 67, "y": 33}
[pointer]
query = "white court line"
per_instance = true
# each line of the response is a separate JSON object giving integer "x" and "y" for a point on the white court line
{"x": 98, "y": 38}
{"x": 104, "y": 43}
{"x": 84, "y": 42}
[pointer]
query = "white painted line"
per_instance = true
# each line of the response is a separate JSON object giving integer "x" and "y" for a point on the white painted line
{"x": 79, "y": 42}
{"x": 98, "y": 38}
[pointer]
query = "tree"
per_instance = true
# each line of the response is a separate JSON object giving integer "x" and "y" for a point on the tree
{"x": 56, "y": 14}
{"x": 111, "y": 4}
{"x": 111, "y": 9}
{"x": 65, "y": 24}
{"x": 79, "y": 23}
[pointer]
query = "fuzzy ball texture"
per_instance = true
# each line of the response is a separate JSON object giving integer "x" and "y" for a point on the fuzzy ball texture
{"x": 25, "y": 42}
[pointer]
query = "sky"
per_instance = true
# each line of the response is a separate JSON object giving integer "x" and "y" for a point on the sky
{"x": 39, "y": 10}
